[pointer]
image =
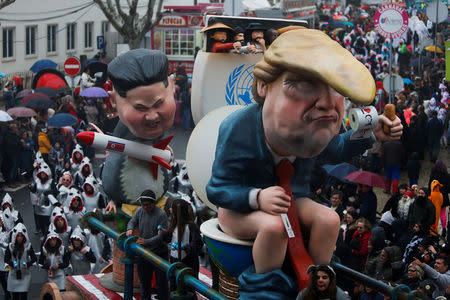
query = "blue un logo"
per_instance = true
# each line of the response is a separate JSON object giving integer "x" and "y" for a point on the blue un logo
{"x": 239, "y": 86}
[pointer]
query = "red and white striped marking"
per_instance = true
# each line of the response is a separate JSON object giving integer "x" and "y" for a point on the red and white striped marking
{"x": 91, "y": 285}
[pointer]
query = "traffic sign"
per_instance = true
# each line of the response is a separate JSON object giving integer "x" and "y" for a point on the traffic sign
{"x": 100, "y": 42}
{"x": 442, "y": 11}
{"x": 72, "y": 66}
{"x": 391, "y": 21}
{"x": 397, "y": 83}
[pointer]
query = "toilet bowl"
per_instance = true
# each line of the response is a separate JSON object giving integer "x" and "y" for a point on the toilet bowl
{"x": 233, "y": 256}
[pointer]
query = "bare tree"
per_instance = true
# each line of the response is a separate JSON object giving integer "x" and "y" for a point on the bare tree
{"x": 4, "y": 3}
{"x": 131, "y": 26}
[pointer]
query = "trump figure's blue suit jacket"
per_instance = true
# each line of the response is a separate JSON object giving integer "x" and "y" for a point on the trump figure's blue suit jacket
{"x": 243, "y": 160}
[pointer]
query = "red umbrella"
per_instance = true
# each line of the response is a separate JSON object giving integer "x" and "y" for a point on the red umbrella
{"x": 367, "y": 178}
{"x": 21, "y": 112}
{"x": 32, "y": 96}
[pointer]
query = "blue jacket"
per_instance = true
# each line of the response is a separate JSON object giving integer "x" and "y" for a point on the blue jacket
{"x": 243, "y": 160}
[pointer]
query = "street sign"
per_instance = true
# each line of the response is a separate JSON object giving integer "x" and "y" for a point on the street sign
{"x": 72, "y": 66}
{"x": 397, "y": 81}
{"x": 100, "y": 42}
{"x": 442, "y": 11}
{"x": 391, "y": 21}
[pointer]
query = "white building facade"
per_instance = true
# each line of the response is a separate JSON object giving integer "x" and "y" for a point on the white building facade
{"x": 48, "y": 29}
{"x": 32, "y": 30}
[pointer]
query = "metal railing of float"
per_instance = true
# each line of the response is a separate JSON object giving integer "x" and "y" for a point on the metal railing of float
{"x": 175, "y": 271}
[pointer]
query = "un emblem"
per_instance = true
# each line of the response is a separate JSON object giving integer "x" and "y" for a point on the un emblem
{"x": 239, "y": 86}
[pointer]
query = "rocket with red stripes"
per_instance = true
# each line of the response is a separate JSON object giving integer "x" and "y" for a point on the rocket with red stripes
{"x": 155, "y": 155}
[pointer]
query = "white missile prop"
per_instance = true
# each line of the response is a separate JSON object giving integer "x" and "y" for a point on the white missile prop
{"x": 155, "y": 155}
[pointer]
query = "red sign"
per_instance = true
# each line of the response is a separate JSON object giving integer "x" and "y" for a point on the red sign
{"x": 173, "y": 21}
{"x": 188, "y": 66}
{"x": 391, "y": 21}
{"x": 72, "y": 66}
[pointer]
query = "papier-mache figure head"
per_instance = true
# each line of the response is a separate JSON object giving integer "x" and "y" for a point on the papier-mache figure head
{"x": 305, "y": 73}
{"x": 143, "y": 93}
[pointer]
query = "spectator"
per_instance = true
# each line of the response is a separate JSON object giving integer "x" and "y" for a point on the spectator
{"x": 440, "y": 274}
{"x": 26, "y": 154}
{"x": 393, "y": 154}
{"x": 413, "y": 166}
{"x": 8, "y": 96}
{"x": 414, "y": 276}
{"x": 12, "y": 154}
{"x": 151, "y": 220}
{"x": 86, "y": 80}
{"x": 56, "y": 157}
{"x": 437, "y": 200}
{"x": 91, "y": 111}
{"x": 427, "y": 287}
{"x": 435, "y": 129}
{"x": 18, "y": 86}
{"x": 360, "y": 241}
{"x": 439, "y": 173}
{"x": 383, "y": 267}
{"x": 336, "y": 203}
{"x": 421, "y": 211}
{"x": 44, "y": 143}
{"x": 322, "y": 285}
{"x": 368, "y": 203}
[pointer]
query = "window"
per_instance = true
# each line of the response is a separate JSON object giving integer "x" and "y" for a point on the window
{"x": 88, "y": 34}
{"x": 8, "y": 42}
{"x": 51, "y": 37}
{"x": 179, "y": 42}
{"x": 71, "y": 36}
{"x": 105, "y": 27}
{"x": 30, "y": 40}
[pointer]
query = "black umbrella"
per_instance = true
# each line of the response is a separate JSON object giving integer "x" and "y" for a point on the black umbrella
{"x": 425, "y": 61}
{"x": 31, "y": 96}
{"x": 337, "y": 24}
{"x": 63, "y": 91}
{"x": 48, "y": 91}
{"x": 40, "y": 103}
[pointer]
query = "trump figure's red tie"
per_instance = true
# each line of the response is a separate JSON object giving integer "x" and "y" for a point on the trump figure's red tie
{"x": 298, "y": 255}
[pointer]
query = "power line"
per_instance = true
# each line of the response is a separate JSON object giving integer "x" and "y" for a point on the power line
{"x": 44, "y": 12}
{"x": 49, "y": 18}
{"x": 58, "y": 31}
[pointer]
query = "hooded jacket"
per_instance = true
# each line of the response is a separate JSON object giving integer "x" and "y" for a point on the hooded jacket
{"x": 44, "y": 143}
{"x": 41, "y": 191}
{"x": 50, "y": 257}
{"x": 74, "y": 215}
{"x": 81, "y": 263}
{"x": 93, "y": 199}
{"x": 101, "y": 247}
{"x": 66, "y": 231}
{"x": 74, "y": 163}
{"x": 9, "y": 216}
{"x": 81, "y": 174}
{"x": 19, "y": 276}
